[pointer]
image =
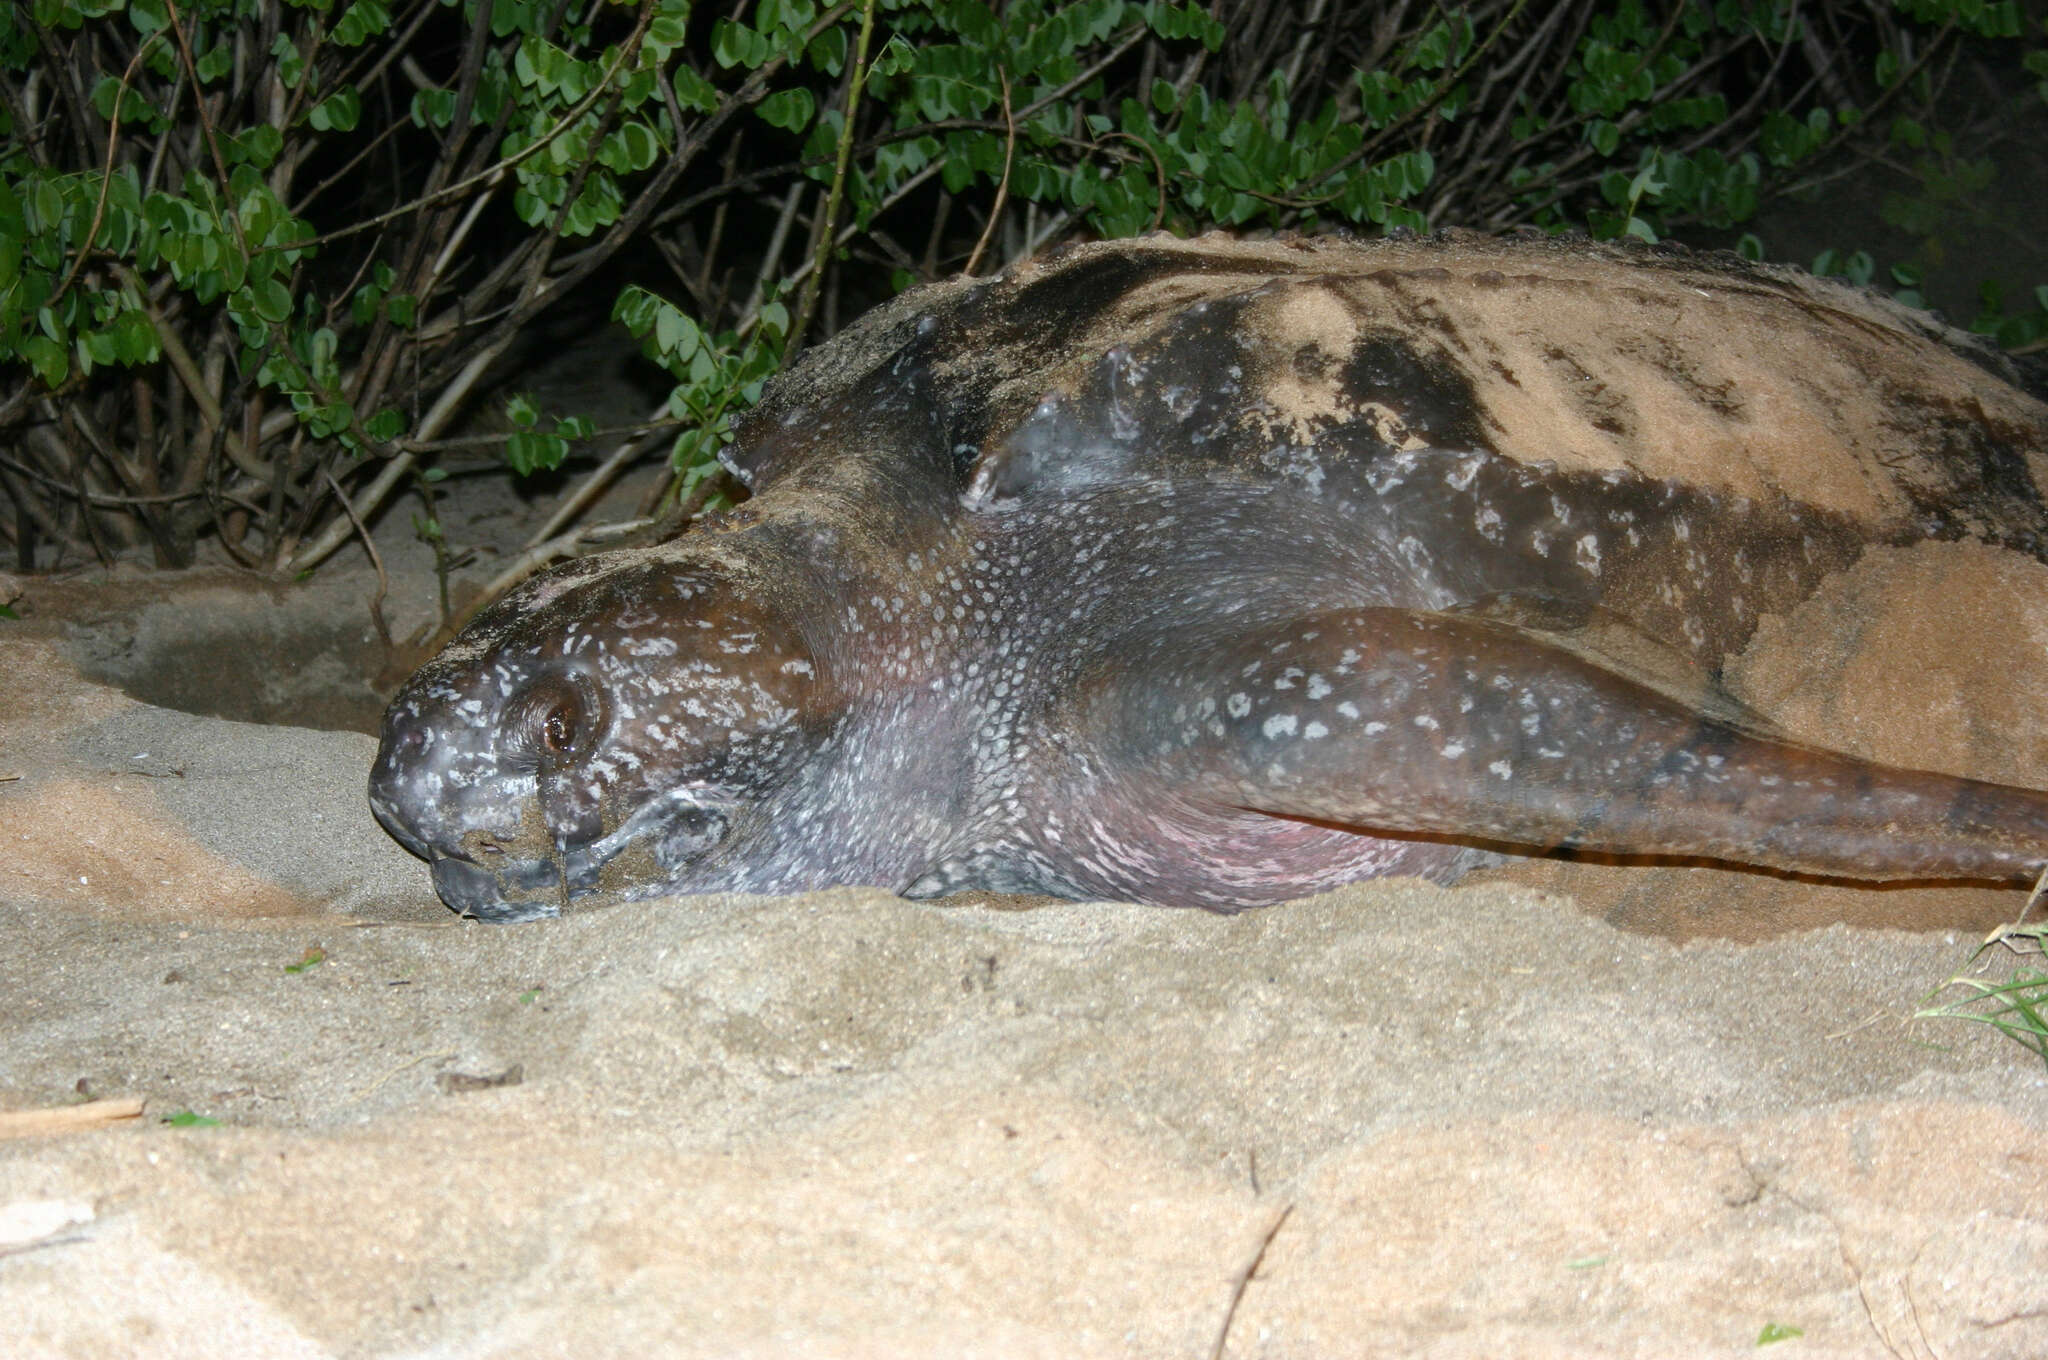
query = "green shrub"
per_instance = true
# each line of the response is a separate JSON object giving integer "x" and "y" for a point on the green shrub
{"x": 257, "y": 255}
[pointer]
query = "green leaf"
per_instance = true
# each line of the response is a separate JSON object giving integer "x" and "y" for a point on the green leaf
{"x": 260, "y": 145}
{"x": 788, "y": 109}
{"x": 828, "y": 51}
{"x": 957, "y": 173}
{"x": 46, "y": 203}
{"x": 110, "y": 94}
{"x": 148, "y": 16}
{"x": 135, "y": 340}
{"x": 2016, "y": 332}
{"x": 215, "y": 63}
{"x": 675, "y": 333}
{"x": 270, "y": 299}
{"x": 520, "y": 410}
{"x": 1421, "y": 170}
{"x": 896, "y": 57}
{"x": 362, "y": 308}
{"x": 361, "y": 21}
{"x": 694, "y": 92}
{"x": 291, "y": 67}
{"x": 185, "y": 1119}
{"x": 338, "y": 112}
{"x": 630, "y": 147}
{"x": 528, "y": 452}
{"x": 529, "y": 206}
{"x": 433, "y": 108}
{"x": 735, "y": 44}
{"x": 635, "y": 308}
{"x": 666, "y": 32}
{"x": 1777, "y": 1331}
{"x": 598, "y": 205}
{"x": 47, "y": 358}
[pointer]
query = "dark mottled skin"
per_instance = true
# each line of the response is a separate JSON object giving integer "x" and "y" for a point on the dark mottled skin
{"x": 1213, "y": 573}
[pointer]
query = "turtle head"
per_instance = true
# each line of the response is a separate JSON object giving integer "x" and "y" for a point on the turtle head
{"x": 617, "y": 722}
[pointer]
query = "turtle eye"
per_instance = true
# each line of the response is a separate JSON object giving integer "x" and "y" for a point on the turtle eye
{"x": 556, "y": 719}
{"x": 558, "y": 730}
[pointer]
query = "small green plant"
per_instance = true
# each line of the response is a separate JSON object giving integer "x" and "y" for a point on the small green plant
{"x": 2021, "y": 328}
{"x": 313, "y": 958}
{"x": 2016, "y": 1007}
{"x": 186, "y": 1119}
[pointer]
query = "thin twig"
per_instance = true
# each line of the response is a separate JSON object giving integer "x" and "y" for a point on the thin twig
{"x": 52, "y": 1119}
{"x": 220, "y": 165}
{"x": 1380, "y": 138}
{"x": 569, "y": 119}
{"x": 443, "y": 410}
{"x": 793, "y": 343}
{"x": 778, "y": 240}
{"x": 656, "y": 424}
{"x": 99, "y": 210}
{"x": 1158, "y": 174}
{"x": 105, "y": 499}
{"x": 376, "y": 560}
{"x": 747, "y": 323}
{"x": 995, "y": 212}
{"x": 594, "y": 485}
{"x": 539, "y": 555}
{"x": 730, "y": 183}
{"x": 2040, "y": 887}
{"x": 1244, "y": 1278}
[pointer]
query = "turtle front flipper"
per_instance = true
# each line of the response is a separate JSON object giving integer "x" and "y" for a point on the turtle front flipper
{"x": 1399, "y": 722}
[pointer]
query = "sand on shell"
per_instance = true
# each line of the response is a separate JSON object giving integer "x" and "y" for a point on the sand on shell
{"x": 1562, "y": 1110}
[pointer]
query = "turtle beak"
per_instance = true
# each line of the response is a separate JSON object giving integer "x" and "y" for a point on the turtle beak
{"x": 520, "y": 890}
{"x": 388, "y": 790}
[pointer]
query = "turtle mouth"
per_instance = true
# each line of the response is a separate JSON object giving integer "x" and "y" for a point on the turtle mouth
{"x": 502, "y": 890}
{"x": 672, "y": 831}
{"x": 522, "y": 890}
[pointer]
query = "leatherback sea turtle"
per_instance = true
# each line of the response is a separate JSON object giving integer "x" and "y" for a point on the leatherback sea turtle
{"x": 1216, "y": 572}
